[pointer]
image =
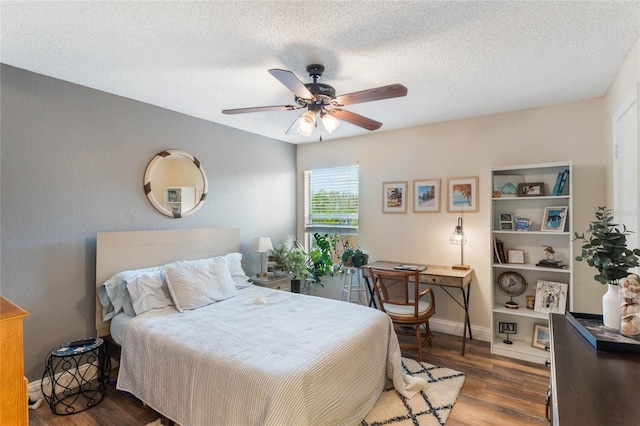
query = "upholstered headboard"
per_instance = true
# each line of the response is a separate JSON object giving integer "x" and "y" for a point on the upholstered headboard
{"x": 121, "y": 251}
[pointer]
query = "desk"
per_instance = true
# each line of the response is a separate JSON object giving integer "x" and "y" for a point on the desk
{"x": 442, "y": 276}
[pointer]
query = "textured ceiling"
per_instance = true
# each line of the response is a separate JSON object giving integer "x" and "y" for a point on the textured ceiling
{"x": 457, "y": 59}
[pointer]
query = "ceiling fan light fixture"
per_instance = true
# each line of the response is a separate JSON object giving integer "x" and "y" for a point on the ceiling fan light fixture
{"x": 306, "y": 123}
{"x": 329, "y": 122}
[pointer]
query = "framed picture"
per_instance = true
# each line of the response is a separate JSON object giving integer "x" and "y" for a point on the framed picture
{"x": 506, "y": 185}
{"x": 506, "y": 226}
{"x": 531, "y": 189}
{"x": 554, "y": 218}
{"x": 394, "y": 197}
{"x": 516, "y": 256}
{"x": 506, "y": 217}
{"x": 540, "y": 336}
{"x": 426, "y": 196}
{"x": 463, "y": 194}
{"x": 551, "y": 297}
{"x": 507, "y": 327}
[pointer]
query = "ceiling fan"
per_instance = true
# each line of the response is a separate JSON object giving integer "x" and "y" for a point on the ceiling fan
{"x": 320, "y": 99}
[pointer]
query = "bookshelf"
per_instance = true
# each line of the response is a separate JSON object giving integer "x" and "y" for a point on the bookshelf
{"x": 550, "y": 223}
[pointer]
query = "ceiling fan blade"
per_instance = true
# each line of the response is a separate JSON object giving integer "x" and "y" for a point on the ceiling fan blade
{"x": 292, "y": 82}
{"x": 384, "y": 92}
{"x": 260, "y": 109}
{"x": 357, "y": 119}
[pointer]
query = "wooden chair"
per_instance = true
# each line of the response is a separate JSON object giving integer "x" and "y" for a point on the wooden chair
{"x": 400, "y": 297}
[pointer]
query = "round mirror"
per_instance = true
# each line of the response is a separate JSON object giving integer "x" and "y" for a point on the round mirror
{"x": 175, "y": 183}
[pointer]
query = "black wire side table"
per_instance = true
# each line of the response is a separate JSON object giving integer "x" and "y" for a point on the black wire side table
{"x": 77, "y": 374}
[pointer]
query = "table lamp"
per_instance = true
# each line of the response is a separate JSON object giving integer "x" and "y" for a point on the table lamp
{"x": 458, "y": 238}
{"x": 261, "y": 245}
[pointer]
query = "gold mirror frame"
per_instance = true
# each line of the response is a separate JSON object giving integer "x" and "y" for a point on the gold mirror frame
{"x": 162, "y": 205}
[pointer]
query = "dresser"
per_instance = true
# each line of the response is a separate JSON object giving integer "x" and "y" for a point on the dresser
{"x": 589, "y": 386}
{"x": 13, "y": 384}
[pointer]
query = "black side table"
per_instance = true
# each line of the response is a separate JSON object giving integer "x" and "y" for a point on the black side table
{"x": 77, "y": 374}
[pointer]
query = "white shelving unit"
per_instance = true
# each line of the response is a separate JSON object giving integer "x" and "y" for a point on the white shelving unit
{"x": 532, "y": 243}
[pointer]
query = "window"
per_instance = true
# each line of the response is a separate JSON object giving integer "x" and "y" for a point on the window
{"x": 331, "y": 200}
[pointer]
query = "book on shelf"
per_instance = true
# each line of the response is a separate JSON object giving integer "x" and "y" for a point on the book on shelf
{"x": 551, "y": 264}
{"x": 557, "y": 185}
{"x": 499, "y": 252}
{"x": 562, "y": 183}
{"x": 410, "y": 268}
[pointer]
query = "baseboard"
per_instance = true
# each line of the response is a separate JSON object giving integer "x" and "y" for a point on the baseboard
{"x": 35, "y": 388}
{"x": 456, "y": 329}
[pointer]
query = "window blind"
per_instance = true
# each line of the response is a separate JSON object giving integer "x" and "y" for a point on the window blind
{"x": 331, "y": 200}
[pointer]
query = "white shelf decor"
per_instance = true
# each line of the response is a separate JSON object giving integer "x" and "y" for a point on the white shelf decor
{"x": 553, "y": 183}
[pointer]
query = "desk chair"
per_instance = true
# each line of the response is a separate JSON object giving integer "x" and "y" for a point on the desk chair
{"x": 404, "y": 304}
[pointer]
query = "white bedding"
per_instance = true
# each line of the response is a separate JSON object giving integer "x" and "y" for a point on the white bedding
{"x": 263, "y": 357}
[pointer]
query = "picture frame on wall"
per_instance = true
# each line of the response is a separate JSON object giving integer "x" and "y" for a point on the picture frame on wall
{"x": 394, "y": 197}
{"x": 540, "y": 338}
{"x": 554, "y": 218}
{"x": 426, "y": 196}
{"x": 462, "y": 194}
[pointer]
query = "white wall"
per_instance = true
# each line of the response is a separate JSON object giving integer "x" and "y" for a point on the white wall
{"x": 572, "y": 131}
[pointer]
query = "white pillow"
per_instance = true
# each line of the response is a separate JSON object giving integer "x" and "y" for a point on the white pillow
{"x": 148, "y": 291}
{"x": 198, "y": 283}
{"x": 240, "y": 279}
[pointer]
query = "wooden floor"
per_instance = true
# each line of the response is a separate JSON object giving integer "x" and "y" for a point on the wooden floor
{"x": 497, "y": 391}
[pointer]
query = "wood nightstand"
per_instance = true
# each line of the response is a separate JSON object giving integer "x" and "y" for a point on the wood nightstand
{"x": 276, "y": 283}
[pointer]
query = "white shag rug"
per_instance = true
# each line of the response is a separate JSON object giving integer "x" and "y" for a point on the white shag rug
{"x": 430, "y": 407}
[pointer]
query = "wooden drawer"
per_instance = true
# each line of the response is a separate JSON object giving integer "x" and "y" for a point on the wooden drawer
{"x": 283, "y": 284}
{"x": 440, "y": 280}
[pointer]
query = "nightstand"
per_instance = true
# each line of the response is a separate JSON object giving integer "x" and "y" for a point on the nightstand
{"x": 276, "y": 283}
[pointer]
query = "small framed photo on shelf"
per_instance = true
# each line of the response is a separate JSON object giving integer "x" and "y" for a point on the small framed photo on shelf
{"x": 516, "y": 256}
{"x": 523, "y": 224}
{"x": 462, "y": 194}
{"x": 531, "y": 189}
{"x": 540, "y": 337}
{"x": 426, "y": 196}
{"x": 554, "y": 218}
{"x": 551, "y": 297}
{"x": 394, "y": 197}
{"x": 506, "y": 221}
{"x": 506, "y": 226}
{"x": 507, "y": 327}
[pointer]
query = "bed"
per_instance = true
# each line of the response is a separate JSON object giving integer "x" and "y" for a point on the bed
{"x": 257, "y": 357}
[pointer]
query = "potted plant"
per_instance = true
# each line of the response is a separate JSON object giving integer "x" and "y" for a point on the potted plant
{"x": 292, "y": 261}
{"x": 279, "y": 257}
{"x": 296, "y": 264}
{"x": 321, "y": 258}
{"x": 606, "y": 250}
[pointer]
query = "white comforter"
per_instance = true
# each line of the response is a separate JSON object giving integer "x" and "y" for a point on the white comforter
{"x": 263, "y": 357}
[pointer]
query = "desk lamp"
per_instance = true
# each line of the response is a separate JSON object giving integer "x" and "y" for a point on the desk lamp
{"x": 261, "y": 245}
{"x": 458, "y": 238}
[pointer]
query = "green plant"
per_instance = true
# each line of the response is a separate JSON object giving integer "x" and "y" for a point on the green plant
{"x": 606, "y": 248}
{"x": 279, "y": 256}
{"x": 297, "y": 263}
{"x": 356, "y": 255}
{"x": 292, "y": 260}
{"x": 320, "y": 262}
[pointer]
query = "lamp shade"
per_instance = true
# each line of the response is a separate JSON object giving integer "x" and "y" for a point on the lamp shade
{"x": 329, "y": 122}
{"x": 306, "y": 123}
{"x": 261, "y": 245}
{"x": 458, "y": 237}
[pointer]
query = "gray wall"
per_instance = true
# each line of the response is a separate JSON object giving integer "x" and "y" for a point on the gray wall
{"x": 72, "y": 165}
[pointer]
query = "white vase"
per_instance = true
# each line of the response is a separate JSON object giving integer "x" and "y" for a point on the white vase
{"x": 611, "y": 308}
